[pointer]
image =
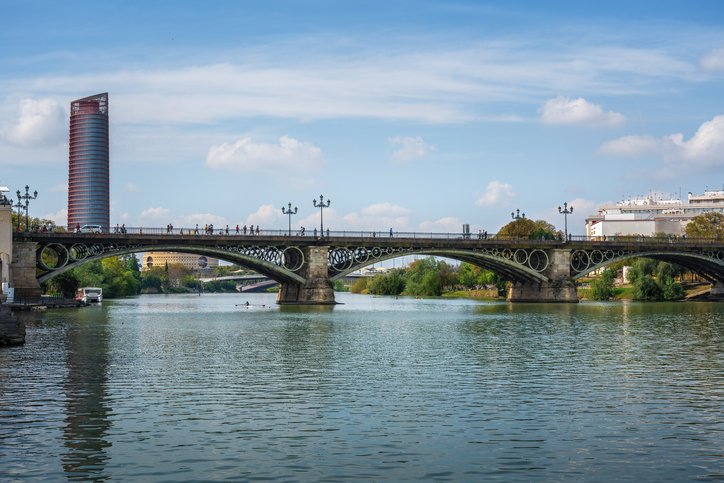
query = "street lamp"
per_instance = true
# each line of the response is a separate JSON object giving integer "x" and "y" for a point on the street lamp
{"x": 565, "y": 212}
{"x": 321, "y": 207}
{"x": 290, "y": 212}
{"x": 27, "y": 199}
{"x": 517, "y": 215}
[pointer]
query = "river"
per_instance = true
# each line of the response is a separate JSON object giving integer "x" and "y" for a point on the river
{"x": 189, "y": 388}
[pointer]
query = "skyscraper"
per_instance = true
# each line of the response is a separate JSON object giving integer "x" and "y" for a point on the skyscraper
{"x": 88, "y": 163}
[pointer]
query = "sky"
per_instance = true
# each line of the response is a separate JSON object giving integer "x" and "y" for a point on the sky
{"x": 411, "y": 115}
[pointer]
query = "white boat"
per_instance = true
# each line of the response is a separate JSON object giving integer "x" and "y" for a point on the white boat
{"x": 89, "y": 295}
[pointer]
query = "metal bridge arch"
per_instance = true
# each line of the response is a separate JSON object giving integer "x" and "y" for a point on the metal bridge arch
{"x": 515, "y": 265}
{"x": 273, "y": 266}
{"x": 707, "y": 263}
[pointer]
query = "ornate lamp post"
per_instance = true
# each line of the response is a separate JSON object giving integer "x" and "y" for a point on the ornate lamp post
{"x": 290, "y": 212}
{"x": 321, "y": 207}
{"x": 517, "y": 215}
{"x": 27, "y": 199}
{"x": 565, "y": 212}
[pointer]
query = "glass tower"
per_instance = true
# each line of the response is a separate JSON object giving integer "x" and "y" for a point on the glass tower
{"x": 88, "y": 167}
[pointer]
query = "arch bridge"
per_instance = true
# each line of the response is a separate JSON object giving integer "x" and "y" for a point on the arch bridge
{"x": 306, "y": 266}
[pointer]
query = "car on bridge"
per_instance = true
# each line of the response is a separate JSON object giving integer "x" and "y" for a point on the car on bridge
{"x": 90, "y": 229}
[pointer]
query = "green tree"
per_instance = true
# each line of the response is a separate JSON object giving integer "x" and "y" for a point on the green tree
{"x": 654, "y": 280}
{"x": 359, "y": 286}
{"x": 602, "y": 288}
{"x": 390, "y": 283}
{"x": 471, "y": 276}
{"x": 544, "y": 231}
{"x": 429, "y": 277}
{"x": 520, "y": 228}
{"x": 708, "y": 225}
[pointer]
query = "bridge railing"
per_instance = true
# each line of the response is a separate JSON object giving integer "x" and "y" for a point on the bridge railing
{"x": 389, "y": 234}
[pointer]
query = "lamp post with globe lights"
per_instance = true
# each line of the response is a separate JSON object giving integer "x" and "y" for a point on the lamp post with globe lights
{"x": 565, "y": 212}
{"x": 321, "y": 205}
{"x": 290, "y": 212}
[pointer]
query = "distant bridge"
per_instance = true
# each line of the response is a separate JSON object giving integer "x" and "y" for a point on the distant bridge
{"x": 306, "y": 266}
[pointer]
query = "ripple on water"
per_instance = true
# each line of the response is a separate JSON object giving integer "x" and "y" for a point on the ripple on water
{"x": 195, "y": 388}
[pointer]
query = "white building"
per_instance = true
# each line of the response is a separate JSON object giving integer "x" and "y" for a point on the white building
{"x": 649, "y": 215}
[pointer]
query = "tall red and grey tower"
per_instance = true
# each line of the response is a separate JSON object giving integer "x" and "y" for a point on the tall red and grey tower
{"x": 88, "y": 163}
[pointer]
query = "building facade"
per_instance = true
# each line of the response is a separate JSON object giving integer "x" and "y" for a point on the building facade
{"x": 188, "y": 260}
{"x": 649, "y": 216}
{"x": 88, "y": 163}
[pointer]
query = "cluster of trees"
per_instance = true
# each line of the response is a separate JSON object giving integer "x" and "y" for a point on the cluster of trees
{"x": 428, "y": 277}
{"x": 118, "y": 276}
{"x": 708, "y": 225}
{"x": 533, "y": 230}
{"x": 650, "y": 280}
{"x": 122, "y": 277}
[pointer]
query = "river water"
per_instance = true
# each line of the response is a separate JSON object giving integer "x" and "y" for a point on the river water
{"x": 188, "y": 388}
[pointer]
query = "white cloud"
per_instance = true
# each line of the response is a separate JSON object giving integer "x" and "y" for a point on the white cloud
{"x": 582, "y": 208}
{"x": 704, "y": 149}
{"x": 563, "y": 110}
{"x": 714, "y": 60}
{"x": 268, "y": 216}
{"x": 155, "y": 215}
{"x": 496, "y": 193}
{"x": 200, "y": 219}
{"x": 131, "y": 187}
{"x": 40, "y": 122}
{"x": 60, "y": 217}
{"x": 408, "y": 148}
{"x": 246, "y": 155}
{"x": 378, "y": 217}
{"x": 631, "y": 146}
{"x": 448, "y": 224}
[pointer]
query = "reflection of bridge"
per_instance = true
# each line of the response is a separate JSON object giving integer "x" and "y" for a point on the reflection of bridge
{"x": 305, "y": 266}
{"x": 247, "y": 283}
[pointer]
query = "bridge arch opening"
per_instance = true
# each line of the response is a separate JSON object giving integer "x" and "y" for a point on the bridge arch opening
{"x": 56, "y": 259}
{"x": 506, "y": 265}
{"x": 707, "y": 265}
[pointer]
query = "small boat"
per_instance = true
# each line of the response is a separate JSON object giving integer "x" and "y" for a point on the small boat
{"x": 89, "y": 295}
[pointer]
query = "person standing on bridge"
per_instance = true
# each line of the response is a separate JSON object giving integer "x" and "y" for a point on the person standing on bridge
{"x": 196, "y": 230}
{"x": 257, "y": 230}
{"x": 227, "y": 229}
{"x": 237, "y": 228}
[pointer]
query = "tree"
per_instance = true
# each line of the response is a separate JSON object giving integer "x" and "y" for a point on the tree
{"x": 390, "y": 283}
{"x": 534, "y": 230}
{"x": 653, "y": 280}
{"x": 429, "y": 276}
{"x": 602, "y": 288}
{"x": 708, "y": 225}
{"x": 519, "y": 228}
{"x": 359, "y": 286}
{"x": 471, "y": 276}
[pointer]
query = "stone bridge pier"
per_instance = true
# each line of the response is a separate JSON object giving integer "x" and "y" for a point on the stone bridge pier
{"x": 317, "y": 288}
{"x": 559, "y": 287}
{"x": 22, "y": 271}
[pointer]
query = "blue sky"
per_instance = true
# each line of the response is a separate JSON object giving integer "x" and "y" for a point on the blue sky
{"x": 416, "y": 115}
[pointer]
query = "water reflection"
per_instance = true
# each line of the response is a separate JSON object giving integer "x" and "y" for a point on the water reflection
{"x": 86, "y": 424}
